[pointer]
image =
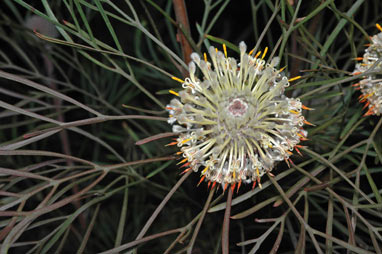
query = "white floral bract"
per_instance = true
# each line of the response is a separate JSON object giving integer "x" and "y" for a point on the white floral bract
{"x": 236, "y": 122}
{"x": 371, "y": 84}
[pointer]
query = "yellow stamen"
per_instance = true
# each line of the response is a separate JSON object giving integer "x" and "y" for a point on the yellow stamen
{"x": 216, "y": 50}
{"x": 295, "y": 78}
{"x": 186, "y": 140}
{"x": 257, "y": 171}
{"x": 283, "y": 68}
{"x": 178, "y": 79}
{"x": 234, "y": 174}
{"x": 205, "y": 56}
{"x": 379, "y": 27}
{"x": 225, "y": 50}
{"x": 173, "y": 92}
{"x": 205, "y": 170}
{"x": 294, "y": 112}
{"x": 250, "y": 52}
{"x": 265, "y": 52}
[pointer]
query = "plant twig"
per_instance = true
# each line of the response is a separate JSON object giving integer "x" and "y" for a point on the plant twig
{"x": 182, "y": 19}
{"x": 225, "y": 231}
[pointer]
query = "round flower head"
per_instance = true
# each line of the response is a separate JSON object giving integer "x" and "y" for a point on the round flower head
{"x": 235, "y": 123}
{"x": 371, "y": 85}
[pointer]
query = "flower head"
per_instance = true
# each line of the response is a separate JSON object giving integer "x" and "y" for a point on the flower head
{"x": 371, "y": 84}
{"x": 236, "y": 122}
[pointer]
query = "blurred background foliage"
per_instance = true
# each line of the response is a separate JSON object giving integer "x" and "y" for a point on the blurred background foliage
{"x": 82, "y": 81}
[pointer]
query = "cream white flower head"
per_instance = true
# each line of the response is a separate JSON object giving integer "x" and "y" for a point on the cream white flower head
{"x": 371, "y": 84}
{"x": 235, "y": 123}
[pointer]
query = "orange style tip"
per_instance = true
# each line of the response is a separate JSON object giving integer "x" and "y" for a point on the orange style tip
{"x": 185, "y": 165}
{"x": 225, "y": 187}
{"x": 250, "y": 52}
{"x": 180, "y": 162}
{"x": 283, "y": 68}
{"x": 287, "y": 162}
{"x": 308, "y": 123}
{"x": 178, "y": 153}
{"x": 213, "y": 185}
{"x": 201, "y": 180}
{"x": 233, "y": 187}
{"x": 205, "y": 56}
{"x": 356, "y": 84}
{"x": 208, "y": 184}
{"x": 367, "y": 45}
{"x": 171, "y": 144}
{"x": 358, "y": 58}
{"x": 291, "y": 162}
{"x": 253, "y": 185}
{"x": 298, "y": 151}
{"x": 185, "y": 171}
{"x": 306, "y": 108}
{"x": 257, "y": 55}
{"x": 356, "y": 73}
{"x": 238, "y": 187}
{"x": 293, "y": 79}
{"x": 379, "y": 27}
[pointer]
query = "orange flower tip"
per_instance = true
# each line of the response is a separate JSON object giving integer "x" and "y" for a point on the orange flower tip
{"x": 367, "y": 44}
{"x": 233, "y": 187}
{"x": 308, "y": 123}
{"x": 250, "y": 52}
{"x": 238, "y": 186}
{"x": 265, "y": 52}
{"x": 172, "y": 144}
{"x": 298, "y": 151}
{"x": 379, "y": 27}
{"x": 208, "y": 184}
{"x": 178, "y": 153}
{"x": 253, "y": 185}
{"x": 295, "y": 78}
{"x": 291, "y": 162}
{"x": 366, "y": 104}
{"x": 283, "y": 68}
{"x": 205, "y": 56}
{"x": 287, "y": 162}
{"x": 177, "y": 79}
{"x": 226, "y": 184}
{"x": 213, "y": 185}
{"x": 182, "y": 161}
{"x": 356, "y": 84}
{"x": 358, "y": 58}
{"x": 306, "y": 108}
{"x": 169, "y": 108}
{"x": 356, "y": 73}
{"x": 185, "y": 165}
{"x": 225, "y": 49}
{"x": 173, "y": 92}
{"x": 185, "y": 171}
{"x": 257, "y": 54}
{"x": 201, "y": 180}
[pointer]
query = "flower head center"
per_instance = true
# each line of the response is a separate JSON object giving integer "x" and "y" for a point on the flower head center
{"x": 237, "y": 107}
